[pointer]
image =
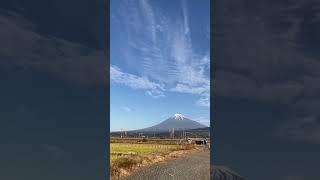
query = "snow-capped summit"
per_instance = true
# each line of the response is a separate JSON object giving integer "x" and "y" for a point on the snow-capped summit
{"x": 177, "y": 121}
{"x": 178, "y": 116}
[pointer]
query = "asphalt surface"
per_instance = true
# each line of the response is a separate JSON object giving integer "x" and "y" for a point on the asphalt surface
{"x": 195, "y": 166}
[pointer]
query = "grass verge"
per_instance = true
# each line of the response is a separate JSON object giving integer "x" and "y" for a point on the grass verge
{"x": 125, "y": 157}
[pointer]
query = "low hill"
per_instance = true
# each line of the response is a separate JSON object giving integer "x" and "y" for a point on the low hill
{"x": 193, "y": 133}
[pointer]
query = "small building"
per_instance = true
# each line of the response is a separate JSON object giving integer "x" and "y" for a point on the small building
{"x": 199, "y": 141}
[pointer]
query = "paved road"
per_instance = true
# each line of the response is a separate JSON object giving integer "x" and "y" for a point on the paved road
{"x": 194, "y": 166}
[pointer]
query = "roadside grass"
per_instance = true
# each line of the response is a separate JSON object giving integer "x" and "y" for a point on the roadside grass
{"x": 126, "y": 156}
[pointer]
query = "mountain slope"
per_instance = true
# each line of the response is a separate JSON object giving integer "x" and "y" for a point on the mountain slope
{"x": 177, "y": 121}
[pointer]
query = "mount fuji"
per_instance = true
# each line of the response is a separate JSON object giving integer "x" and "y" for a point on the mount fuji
{"x": 177, "y": 121}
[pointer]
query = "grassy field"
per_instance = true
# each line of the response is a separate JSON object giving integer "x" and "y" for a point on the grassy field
{"x": 125, "y": 156}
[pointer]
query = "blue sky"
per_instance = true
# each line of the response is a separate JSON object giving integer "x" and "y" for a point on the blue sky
{"x": 160, "y": 61}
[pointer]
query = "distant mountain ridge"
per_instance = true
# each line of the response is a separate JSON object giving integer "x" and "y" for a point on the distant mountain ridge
{"x": 177, "y": 121}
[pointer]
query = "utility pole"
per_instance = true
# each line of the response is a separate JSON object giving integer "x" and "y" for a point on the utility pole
{"x": 183, "y": 135}
{"x": 172, "y": 133}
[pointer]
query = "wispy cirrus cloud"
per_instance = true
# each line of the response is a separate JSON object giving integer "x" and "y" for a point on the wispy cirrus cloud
{"x": 127, "y": 109}
{"x": 185, "y": 17}
{"x": 164, "y": 48}
{"x": 136, "y": 82}
{"x": 149, "y": 15}
{"x": 204, "y": 101}
{"x": 202, "y": 120}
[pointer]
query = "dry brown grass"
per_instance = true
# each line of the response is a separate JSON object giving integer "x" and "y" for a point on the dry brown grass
{"x": 189, "y": 146}
{"x": 122, "y": 165}
{"x": 125, "y": 158}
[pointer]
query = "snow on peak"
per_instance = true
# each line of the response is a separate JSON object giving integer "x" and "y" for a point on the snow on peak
{"x": 178, "y": 116}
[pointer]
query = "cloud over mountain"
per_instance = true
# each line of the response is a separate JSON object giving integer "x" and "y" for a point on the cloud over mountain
{"x": 165, "y": 49}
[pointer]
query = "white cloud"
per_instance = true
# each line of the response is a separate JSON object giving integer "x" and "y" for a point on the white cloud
{"x": 155, "y": 94}
{"x": 127, "y": 109}
{"x": 202, "y": 91}
{"x": 202, "y": 120}
{"x": 204, "y": 101}
{"x": 136, "y": 82}
{"x": 183, "y": 88}
{"x": 149, "y": 15}
{"x": 185, "y": 17}
{"x": 168, "y": 55}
